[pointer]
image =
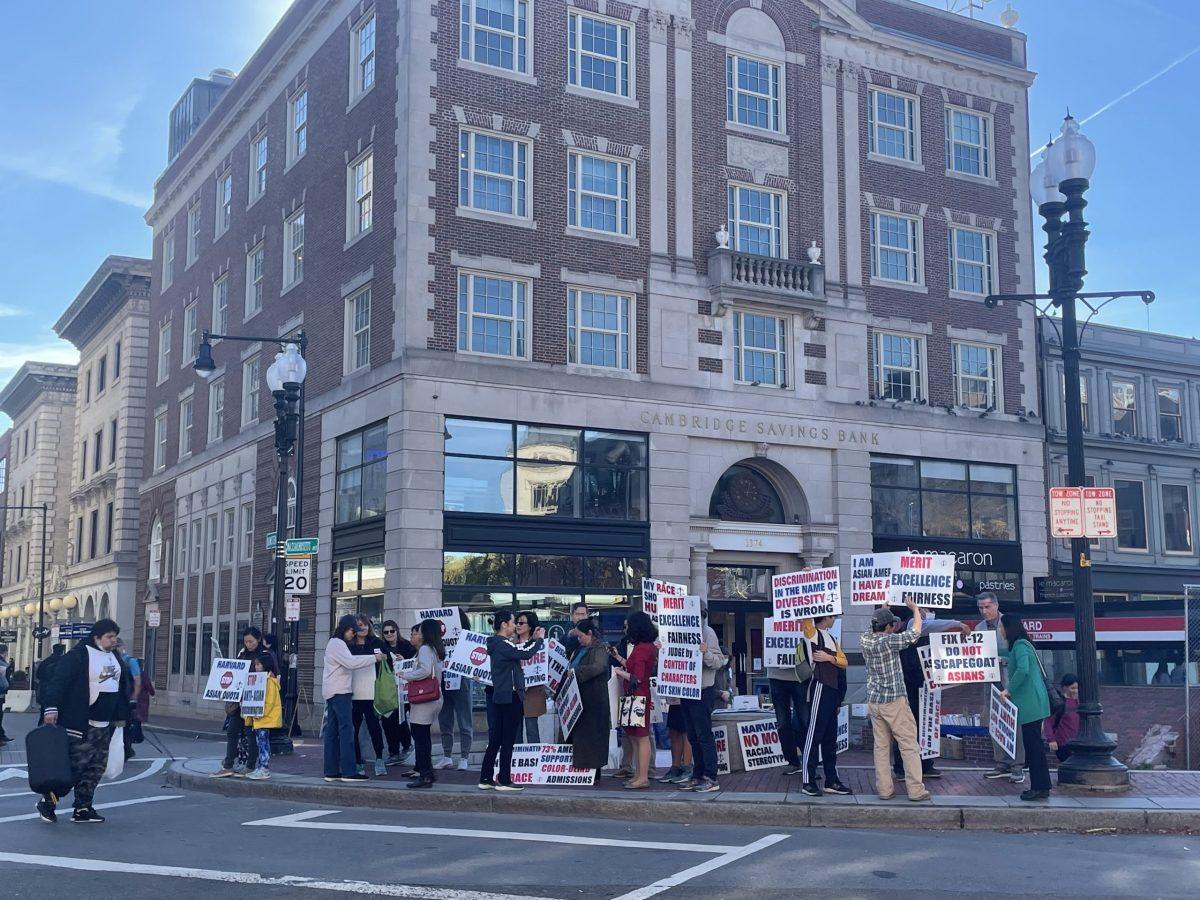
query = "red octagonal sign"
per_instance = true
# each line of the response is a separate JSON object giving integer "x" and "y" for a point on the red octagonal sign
{"x": 478, "y": 656}
{"x": 226, "y": 681}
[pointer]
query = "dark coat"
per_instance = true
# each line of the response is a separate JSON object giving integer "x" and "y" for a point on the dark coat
{"x": 589, "y": 737}
{"x": 67, "y": 692}
{"x": 507, "y": 676}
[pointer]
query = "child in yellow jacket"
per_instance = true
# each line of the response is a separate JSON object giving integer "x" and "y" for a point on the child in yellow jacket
{"x": 272, "y": 717}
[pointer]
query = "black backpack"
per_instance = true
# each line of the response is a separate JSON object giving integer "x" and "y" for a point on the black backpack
{"x": 45, "y": 673}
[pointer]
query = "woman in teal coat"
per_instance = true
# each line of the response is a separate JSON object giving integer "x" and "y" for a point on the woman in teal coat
{"x": 1027, "y": 689}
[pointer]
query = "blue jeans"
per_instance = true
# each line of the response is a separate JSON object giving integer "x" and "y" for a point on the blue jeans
{"x": 456, "y": 705}
{"x": 339, "y": 737}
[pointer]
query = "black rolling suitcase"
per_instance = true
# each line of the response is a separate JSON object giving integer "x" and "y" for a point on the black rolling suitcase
{"x": 49, "y": 759}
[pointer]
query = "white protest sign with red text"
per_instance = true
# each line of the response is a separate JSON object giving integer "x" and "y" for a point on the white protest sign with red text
{"x": 964, "y": 658}
{"x": 870, "y": 578}
{"x": 808, "y": 594}
{"x": 926, "y": 578}
{"x": 680, "y": 661}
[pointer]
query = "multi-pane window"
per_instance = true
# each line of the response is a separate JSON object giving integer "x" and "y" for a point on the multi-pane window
{"x": 1131, "y": 514}
{"x": 191, "y": 332}
{"x": 97, "y": 450}
{"x": 899, "y": 366}
{"x": 1170, "y": 414}
{"x": 1124, "y": 409}
{"x": 229, "y": 534}
{"x": 753, "y": 92}
{"x": 116, "y": 359}
{"x": 361, "y": 474}
{"x": 193, "y": 234}
{"x": 760, "y": 349}
{"x": 599, "y": 194}
{"x": 943, "y": 498}
{"x": 493, "y": 173}
{"x": 892, "y": 125}
{"x": 1177, "y": 519}
{"x": 976, "y": 376}
{"x": 895, "y": 248}
{"x": 224, "y": 202}
{"x": 971, "y": 266}
{"x": 545, "y": 471}
{"x": 164, "y": 351}
{"x": 250, "y": 391}
{"x": 108, "y": 528}
{"x": 247, "y": 531}
{"x": 362, "y": 50}
{"x": 101, "y": 375}
{"x": 495, "y": 33}
{"x": 254, "y": 280}
{"x": 213, "y": 540}
{"x": 168, "y": 265}
{"x": 258, "y": 167}
{"x": 220, "y": 305}
{"x": 181, "y": 551}
{"x": 160, "y": 441}
{"x": 599, "y": 53}
{"x": 216, "y": 410}
{"x": 187, "y": 413}
{"x": 968, "y": 142}
{"x": 293, "y": 249}
{"x": 361, "y": 187}
{"x": 756, "y": 220}
{"x": 197, "y": 545}
{"x": 297, "y": 126}
{"x": 492, "y": 313}
{"x": 358, "y": 330}
{"x": 93, "y": 533}
{"x": 599, "y": 326}
{"x": 112, "y": 442}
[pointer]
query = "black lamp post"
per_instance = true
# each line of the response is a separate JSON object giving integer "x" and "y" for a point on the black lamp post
{"x": 1058, "y": 184}
{"x": 41, "y": 632}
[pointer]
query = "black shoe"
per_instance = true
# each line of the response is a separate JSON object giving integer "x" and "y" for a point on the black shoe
{"x": 931, "y": 772}
{"x": 838, "y": 788}
{"x": 1035, "y": 795}
{"x": 794, "y": 770}
{"x": 46, "y": 810}
{"x": 86, "y": 814}
{"x": 898, "y": 773}
{"x": 420, "y": 783}
{"x": 811, "y": 790}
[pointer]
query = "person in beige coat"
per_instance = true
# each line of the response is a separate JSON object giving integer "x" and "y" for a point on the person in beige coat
{"x": 431, "y": 654}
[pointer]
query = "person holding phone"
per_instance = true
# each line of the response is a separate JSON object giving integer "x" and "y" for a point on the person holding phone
{"x": 505, "y": 699}
{"x": 337, "y": 688}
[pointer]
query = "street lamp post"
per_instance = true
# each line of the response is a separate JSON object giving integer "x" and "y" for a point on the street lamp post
{"x": 1058, "y": 184}
{"x": 41, "y": 631}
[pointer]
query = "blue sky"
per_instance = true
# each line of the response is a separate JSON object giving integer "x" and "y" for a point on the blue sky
{"x": 76, "y": 175}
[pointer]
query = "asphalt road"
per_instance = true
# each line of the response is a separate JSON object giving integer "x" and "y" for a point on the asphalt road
{"x": 162, "y": 842}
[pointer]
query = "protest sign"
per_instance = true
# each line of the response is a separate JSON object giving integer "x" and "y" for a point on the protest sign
{"x": 556, "y": 664}
{"x": 925, "y": 578}
{"x": 843, "y": 732}
{"x": 1002, "y": 723}
{"x": 929, "y": 730}
{"x": 654, "y": 590}
{"x": 226, "y": 680}
{"x": 254, "y": 694}
{"x": 964, "y": 658}
{"x": 780, "y": 639}
{"x": 721, "y": 736}
{"x": 548, "y": 764}
{"x": 680, "y": 661}
{"x": 926, "y": 656}
{"x": 536, "y": 669}
{"x": 470, "y": 658}
{"x": 761, "y": 748}
{"x": 402, "y": 665}
{"x": 447, "y": 617}
{"x": 570, "y": 704}
{"x": 871, "y": 577}
{"x": 807, "y": 594}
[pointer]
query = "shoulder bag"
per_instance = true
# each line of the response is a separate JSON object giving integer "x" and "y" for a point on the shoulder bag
{"x": 633, "y": 712}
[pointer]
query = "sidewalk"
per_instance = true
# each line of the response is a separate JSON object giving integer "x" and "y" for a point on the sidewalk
{"x": 962, "y": 799}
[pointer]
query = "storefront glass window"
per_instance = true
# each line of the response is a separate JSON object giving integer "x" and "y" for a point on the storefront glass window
{"x": 357, "y": 587}
{"x": 941, "y": 498}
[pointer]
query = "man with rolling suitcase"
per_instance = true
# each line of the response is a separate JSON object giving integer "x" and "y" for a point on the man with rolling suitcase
{"x": 88, "y": 698}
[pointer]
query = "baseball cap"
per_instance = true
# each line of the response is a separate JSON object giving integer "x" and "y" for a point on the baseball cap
{"x": 883, "y": 616}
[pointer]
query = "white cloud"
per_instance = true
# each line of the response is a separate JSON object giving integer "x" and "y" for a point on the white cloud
{"x": 7, "y": 311}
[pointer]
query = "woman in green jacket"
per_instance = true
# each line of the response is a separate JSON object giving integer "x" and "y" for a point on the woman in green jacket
{"x": 1027, "y": 689}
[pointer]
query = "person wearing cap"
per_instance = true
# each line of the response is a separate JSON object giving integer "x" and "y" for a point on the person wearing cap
{"x": 887, "y": 700}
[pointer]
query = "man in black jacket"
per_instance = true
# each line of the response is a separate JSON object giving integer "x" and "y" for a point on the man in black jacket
{"x": 88, "y": 697}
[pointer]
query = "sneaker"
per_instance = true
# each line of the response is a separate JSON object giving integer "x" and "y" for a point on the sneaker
{"x": 794, "y": 770}
{"x": 920, "y": 797}
{"x": 1017, "y": 778}
{"x": 221, "y": 773}
{"x": 684, "y": 777}
{"x": 258, "y": 775}
{"x": 333, "y": 778}
{"x": 1035, "y": 795}
{"x": 380, "y": 768}
{"x": 838, "y": 788}
{"x": 46, "y": 811}
{"x": 464, "y": 765}
{"x": 420, "y": 783}
{"x": 998, "y": 772}
{"x": 932, "y": 772}
{"x": 707, "y": 786}
{"x": 444, "y": 763}
{"x": 811, "y": 790}
{"x": 509, "y": 787}
{"x": 670, "y": 775}
{"x": 392, "y": 760}
{"x": 357, "y": 776}
{"x": 622, "y": 773}
{"x": 361, "y": 769}
{"x": 692, "y": 784}
{"x": 239, "y": 771}
{"x": 487, "y": 785}
{"x": 87, "y": 814}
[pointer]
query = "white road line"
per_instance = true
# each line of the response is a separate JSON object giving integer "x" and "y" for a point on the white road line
{"x": 665, "y": 884}
{"x": 302, "y": 820}
{"x": 156, "y": 766}
{"x": 293, "y": 881}
{"x": 103, "y": 806}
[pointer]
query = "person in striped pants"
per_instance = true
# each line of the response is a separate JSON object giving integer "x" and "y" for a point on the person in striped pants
{"x": 826, "y": 691}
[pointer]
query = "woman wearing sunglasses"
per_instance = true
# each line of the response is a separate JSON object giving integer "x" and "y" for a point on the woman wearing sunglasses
{"x": 535, "y": 695}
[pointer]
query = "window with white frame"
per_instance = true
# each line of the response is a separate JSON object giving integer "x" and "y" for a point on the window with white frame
{"x": 193, "y": 234}
{"x": 216, "y": 410}
{"x": 187, "y": 414}
{"x": 599, "y": 328}
{"x": 599, "y": 193}
{"x": 1170, "y": 414}
{"x": 197, "y": 545}
{"x": 976, "y": 376}
{"x": 896, "y": 248}
{"x": 293, "y": 249}
{"x": 168, "y": 264}
{"x": 362, "y": 57}
{"x": 1083, "y": 398}
{"x": 247, "y": 531}
{"x": 753, "y": 92}
{"x": 250, "y": 391}
{"x": 160, "y": 441}
{"x": 220, "y": 305}
{"x": 358, "y": 330}
{"x": 1177, "y": 518}
{"x": 495, "y": 33}
{"x": 291, "y": 505}
{"x": 213, "y": 540}
{"x": 492, "y": 313}
{"x": 229, "y": 534}
{"x": 968, "y": 142}
{"x": 971, "y": 261}
{"x": 224, "y": 202}
{"x": 360, "y": 180}
{"x": 156, "y": 548}
{"x": 892, "y": 128}
{"x": 254, "y": 280}
{"x": 1124, "y": 409}
{"x": 757, "y": 221}
{"x": 164, "y": 351}
{"x": 181, "y": 551}
{"x": 760, "y": 349}
{"x": 258, "y": 167}
{"x": 297, "y": 143}
{"x": 493, "y": 173}
{"x": 599, "y": 53}
{"x": 191, "y": 333}
{"x": 899, "y": 366}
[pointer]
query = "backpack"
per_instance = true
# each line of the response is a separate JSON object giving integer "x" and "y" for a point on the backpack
{"x": 45, "y": 674}
{"x": 804, "y": 669}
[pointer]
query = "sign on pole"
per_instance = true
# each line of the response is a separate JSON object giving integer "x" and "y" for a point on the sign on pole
{"x": 291, "y": 609}
{"x": 254, "y": 694}
{"x": 1002, "y": 723}
{"x": 1099, "y": 512}
{"x": 226, "y": 680}
{"x": 301, "y": 546}
{"x": 871, "y": 577}
{"x": 761, "y": 748}
{"x": 927, "y": 578}
{"x": 570, "y": 704}
{"x": 272, "y": 541}
{"x": 652, "y": 592}
{"x": 929, "y": 732}
{"x": 808, "y": 594}
{"x": 964, "y": 658}
{"x": 297, "y": 575}
{"x": 470, "y": 658}
{"x": 153, "y": 616}
{"x": 680, "y": 661}
{"x": 1066, "y": 512}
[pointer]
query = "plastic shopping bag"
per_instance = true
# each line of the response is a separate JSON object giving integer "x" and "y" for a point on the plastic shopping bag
{"x": 116, "y": 754}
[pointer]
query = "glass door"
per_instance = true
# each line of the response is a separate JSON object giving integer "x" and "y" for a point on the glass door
{"x": 739, "y": 600}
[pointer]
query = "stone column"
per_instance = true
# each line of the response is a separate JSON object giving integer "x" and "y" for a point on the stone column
{"x": 660, "y": 23}
{"x": 684, "y": 27}
{"x": 852, "y": 161}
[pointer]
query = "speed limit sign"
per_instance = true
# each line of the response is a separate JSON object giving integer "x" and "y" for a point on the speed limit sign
{"x": 297, "y": 575}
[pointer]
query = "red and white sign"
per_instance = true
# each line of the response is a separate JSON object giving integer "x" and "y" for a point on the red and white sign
{"x": 1100, "y": 512}
{"x": 153, "y": 616}
{"x": 1066, "y": 512}
{"x": 1113, "y": 629}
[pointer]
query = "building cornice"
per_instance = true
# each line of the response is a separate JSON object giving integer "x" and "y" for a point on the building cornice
{"x": 118, "y": 279}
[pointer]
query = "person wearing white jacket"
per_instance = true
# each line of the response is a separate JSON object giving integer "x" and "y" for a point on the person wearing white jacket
{"x": 337, "y": 687}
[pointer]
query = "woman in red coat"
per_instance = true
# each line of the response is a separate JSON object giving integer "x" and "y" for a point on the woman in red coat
{"x": 636, "y": 672}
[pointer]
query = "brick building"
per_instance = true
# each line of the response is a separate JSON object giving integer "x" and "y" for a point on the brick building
{"x": 689, "y": 287}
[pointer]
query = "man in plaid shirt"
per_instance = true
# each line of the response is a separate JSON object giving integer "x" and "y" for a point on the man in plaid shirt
{"x": 887, "y": 700}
